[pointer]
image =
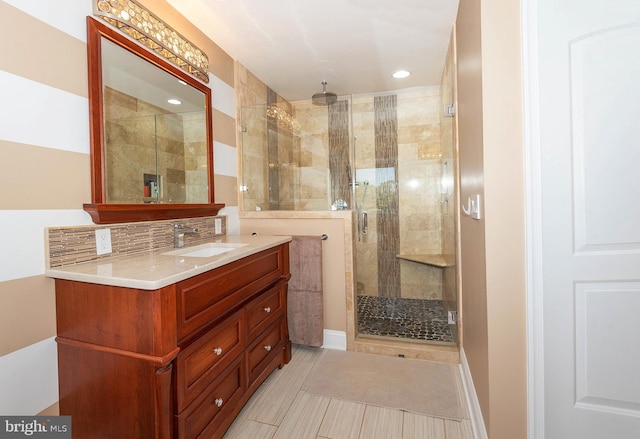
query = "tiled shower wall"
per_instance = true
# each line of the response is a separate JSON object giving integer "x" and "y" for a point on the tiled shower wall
{"x": 306, "y": 167}
{"x": 299, "y": 163}
{"x": 74, "y": 245}
{"x": 286, "y": 168}
{"x": 269, "y": 162}
{"x": 314, "y": 164}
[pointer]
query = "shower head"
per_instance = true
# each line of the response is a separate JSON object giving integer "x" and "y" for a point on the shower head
{"x": 325, "y": 97}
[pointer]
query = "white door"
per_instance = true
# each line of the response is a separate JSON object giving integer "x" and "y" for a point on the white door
{"x": 588, "y": 110}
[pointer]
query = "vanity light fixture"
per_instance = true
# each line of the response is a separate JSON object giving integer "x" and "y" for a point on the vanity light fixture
{"x": 400, "y": 74}
{"x": 145, "y": 27}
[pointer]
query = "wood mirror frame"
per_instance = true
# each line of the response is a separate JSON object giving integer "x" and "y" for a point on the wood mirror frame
{"x": 105, "y": 213}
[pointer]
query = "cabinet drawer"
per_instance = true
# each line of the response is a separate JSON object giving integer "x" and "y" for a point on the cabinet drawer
{"x": 205, "y": 415}
{"x": 264, "y": 310}
{"x": 264, "y": 349}
{"x": 202, "y": 361}
{"x": 206, "y": 296}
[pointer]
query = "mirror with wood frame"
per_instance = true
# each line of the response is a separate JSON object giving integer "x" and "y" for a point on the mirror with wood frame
{"x": 151, "y": 134}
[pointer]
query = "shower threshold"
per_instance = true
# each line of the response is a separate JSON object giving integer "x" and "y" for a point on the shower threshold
{"x": 410, "y": 320}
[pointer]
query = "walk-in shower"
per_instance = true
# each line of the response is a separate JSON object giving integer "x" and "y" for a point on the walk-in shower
{"x": 388, "y": 158}
{"x": 403, "y": 190}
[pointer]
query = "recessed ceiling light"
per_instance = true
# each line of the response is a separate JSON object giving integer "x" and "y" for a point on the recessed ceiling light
{"x": 174, "y": 102}
{"x": 401, "y": 74}
{"x": 182, "y": 82}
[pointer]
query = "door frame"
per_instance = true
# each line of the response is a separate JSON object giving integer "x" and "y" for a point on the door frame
{"x": 533, "y": 222}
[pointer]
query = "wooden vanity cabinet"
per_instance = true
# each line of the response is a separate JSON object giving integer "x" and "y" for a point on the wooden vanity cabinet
{"x": 176, "y": 362}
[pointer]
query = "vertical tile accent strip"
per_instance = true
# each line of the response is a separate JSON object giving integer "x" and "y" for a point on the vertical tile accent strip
{"x": 387, "y": 203}
{"x": 272, "y": 154}
{"x": 339, "y": 167}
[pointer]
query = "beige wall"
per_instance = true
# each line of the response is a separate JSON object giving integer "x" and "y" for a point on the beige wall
{"x": 472, "y": 245}
{"x": 220, "y": 63}
{"x": 337, "y": 259}
{"x": 491, "y": 164}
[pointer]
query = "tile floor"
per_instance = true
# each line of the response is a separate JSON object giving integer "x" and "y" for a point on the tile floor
{"x": 411, "y": 319}
{"x": 281, "y": 410}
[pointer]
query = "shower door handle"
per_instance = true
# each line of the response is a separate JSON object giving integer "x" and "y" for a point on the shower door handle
{"x": 365, "y": 222}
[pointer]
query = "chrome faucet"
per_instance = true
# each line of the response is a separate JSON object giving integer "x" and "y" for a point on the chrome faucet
{"x": 179, "y": 230}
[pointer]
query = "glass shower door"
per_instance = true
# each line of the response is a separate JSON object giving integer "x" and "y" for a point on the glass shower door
{"x": 401, "y": 210}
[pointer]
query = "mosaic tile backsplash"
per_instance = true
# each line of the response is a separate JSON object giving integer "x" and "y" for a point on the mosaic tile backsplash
{"x": 77, "y": 244}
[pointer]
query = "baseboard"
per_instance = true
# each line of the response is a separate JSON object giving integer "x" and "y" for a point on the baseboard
{"x": 477, "y": 422}
{"x": 336, "y": 340}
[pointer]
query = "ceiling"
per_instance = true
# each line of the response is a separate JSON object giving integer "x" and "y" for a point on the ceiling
{"x": 354, "y": 45}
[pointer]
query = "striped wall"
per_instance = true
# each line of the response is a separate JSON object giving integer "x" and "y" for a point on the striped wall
{"x": 44, "y": 173}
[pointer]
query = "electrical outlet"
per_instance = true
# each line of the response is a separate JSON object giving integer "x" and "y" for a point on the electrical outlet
{"x": 103, "y": 241}
{"x": 452, "y": 317}
{"x": 217, "y": 224}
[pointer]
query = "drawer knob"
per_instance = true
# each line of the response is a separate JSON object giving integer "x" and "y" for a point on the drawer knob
{"x": 217, "y": 351}
{"x": 267, "y": 310}
{"x": 267, "y": 348}
{"x": 218, "y": 402}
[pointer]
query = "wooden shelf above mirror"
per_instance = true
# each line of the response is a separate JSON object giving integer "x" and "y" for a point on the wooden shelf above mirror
{"x": 124, "y": 213}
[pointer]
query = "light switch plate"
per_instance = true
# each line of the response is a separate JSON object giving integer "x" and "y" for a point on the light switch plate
{"x": 103, "y": 241}
{"x": 217, "y": 224}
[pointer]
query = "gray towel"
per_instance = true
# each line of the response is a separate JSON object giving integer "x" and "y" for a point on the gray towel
{"x": 304, "y": 304}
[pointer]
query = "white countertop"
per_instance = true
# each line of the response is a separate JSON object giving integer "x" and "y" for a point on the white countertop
{"x": 156, "y": 269}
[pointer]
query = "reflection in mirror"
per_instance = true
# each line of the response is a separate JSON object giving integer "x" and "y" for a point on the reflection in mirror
{"x": 155, "y": 133}
{"x": 151, "y": 157}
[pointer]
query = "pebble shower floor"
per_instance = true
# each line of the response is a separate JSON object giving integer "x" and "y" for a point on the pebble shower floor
{"x": 413, "y": 319}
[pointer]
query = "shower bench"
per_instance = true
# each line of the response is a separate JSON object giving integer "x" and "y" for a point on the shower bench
{"x": 434, "y": 260}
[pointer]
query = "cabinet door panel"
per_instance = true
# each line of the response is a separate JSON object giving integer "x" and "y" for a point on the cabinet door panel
{"x": 264, "y": 310}
{"x": 113, "y": 394}
{"x": 206, "y": 414}
{"x": 268, "y": 346}
{"x": 202, "y": 361}
{"x": 209, "y": 295}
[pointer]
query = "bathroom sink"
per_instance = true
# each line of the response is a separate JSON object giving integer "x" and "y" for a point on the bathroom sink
{"x": 205, "y": 250}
